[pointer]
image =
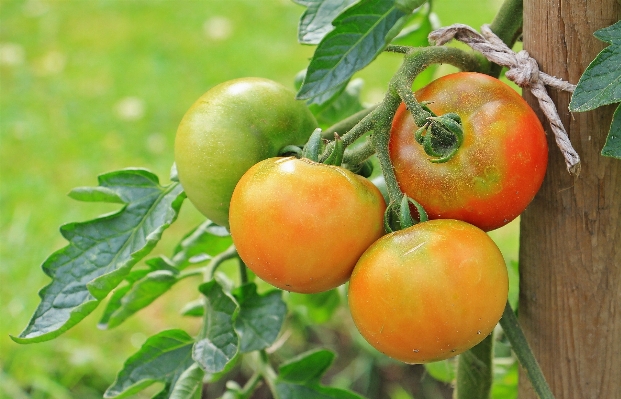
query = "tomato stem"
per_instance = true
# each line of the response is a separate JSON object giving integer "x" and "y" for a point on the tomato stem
{"x": 217, "y": 260}
{"x": 475, "y": 371}
{"x": 519, "y": 344}
{"x": 347, "y": 124}
{"x": 507, "y": 25}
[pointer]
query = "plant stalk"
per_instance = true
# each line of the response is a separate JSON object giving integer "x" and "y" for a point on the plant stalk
{"x": 514, "y": 333}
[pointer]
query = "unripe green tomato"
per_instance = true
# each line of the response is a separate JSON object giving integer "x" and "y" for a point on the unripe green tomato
{"x": 230, "y": 128}
{"x": 429, "y": 292}
{"x": 301, "y": 225}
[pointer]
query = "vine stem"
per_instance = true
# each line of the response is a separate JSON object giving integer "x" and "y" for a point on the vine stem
{"x": 217, "y": 260}
{"x": 519, "y": 344}
{"x": 267, "y": 372}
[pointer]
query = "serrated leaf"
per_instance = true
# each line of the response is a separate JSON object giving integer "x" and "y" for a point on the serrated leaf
{"x": 360, "y": 33}
{"x": 417, "y": 28}
{"x": 196, "y": 246}
{"x": 299, "y": 378}
{"x": 306, "y": 368}
{"x": 115, "y": 301}
{"x": 612, "y": 147}
{"x": 164, "y": 357}
{"x": 220, "y": 343}
{"x": 600, "y": 84}
{"x": 188, "y": 385}
{"x": 141, "y": 294}
{"x": 101, "y": 252}
{"x": 316, "y": 21}
{"x": 260, "y": 317}
{"x": 95, "y": 194}
{"x": 205, "y": 241}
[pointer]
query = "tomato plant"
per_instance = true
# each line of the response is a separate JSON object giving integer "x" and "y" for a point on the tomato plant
{"x": 301, "y": 225}
{"x": 500, "y": 165}
{"x": 429, "y": 292}
{"x": 230, "y": 128}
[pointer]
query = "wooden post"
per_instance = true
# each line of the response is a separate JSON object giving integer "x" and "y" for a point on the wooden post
{"x": 570, "y": 243}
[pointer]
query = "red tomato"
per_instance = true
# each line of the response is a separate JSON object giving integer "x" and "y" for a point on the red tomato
{"x": 300, "y": 225}
{"x": 429, "y": 292}
{"x": 500, "y": 165}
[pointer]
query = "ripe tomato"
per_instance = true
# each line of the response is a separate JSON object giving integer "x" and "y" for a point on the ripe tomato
{"x": 429, "y": 292}
{"x": 301, "y": 225}
{"x": 230, "y": 128}
{"x": 500, "y": 165}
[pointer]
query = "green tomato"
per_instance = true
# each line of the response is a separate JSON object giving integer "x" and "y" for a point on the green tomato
{"x": 230, "y": 128}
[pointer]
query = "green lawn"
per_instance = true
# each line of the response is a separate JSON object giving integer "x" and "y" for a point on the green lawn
{"x": 91, "y": 86}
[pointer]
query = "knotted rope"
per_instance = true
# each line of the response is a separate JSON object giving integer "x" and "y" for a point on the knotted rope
{"x": 523, "y": 70}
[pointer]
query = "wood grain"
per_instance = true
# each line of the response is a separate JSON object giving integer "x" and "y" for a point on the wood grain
{"x": 570, "y": 240}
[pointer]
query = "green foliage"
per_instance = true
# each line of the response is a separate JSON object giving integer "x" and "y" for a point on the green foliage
{"x": 600, "y": 84}
{"x": 165, "y": 357}
{"x": 360, "y": 33}
{"x": 300, "y": 378}
{"x": 219, "y": 343}
{"x": 316, "y": 21}
{"x": 102, "y": 251}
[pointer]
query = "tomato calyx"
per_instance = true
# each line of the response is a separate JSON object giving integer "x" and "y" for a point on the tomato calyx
{"x": 403, "y": 214}
{"x": 441, "y": 136}
{"x": 336, "y": 156}
{"x": 313, "y": 146}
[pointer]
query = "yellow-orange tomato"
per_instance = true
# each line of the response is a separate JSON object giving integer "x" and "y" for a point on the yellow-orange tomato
{"x": 429, "y": 292}
{"x": 300, "y": 225}
{"x": 497, "y": 170}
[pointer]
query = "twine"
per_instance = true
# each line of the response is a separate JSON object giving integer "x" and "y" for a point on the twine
{"x": 524, "y": 71}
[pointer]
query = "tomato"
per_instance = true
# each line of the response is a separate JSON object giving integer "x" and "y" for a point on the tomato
{"x": 429, "y": 292}
{"x": 301, "y": 225}
{"x": 230, "y": 128}
{"x": 499, "y": 167}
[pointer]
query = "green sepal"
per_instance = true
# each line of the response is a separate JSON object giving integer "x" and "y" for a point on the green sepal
{"x": 405, "y": 216}
{"x": 444, "y": 138}
{"x": 336, "y": 156}
{"x": 290, "y": 150}
{"x": 313, "y": 147}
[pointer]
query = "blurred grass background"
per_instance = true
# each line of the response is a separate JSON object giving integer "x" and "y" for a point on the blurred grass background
{"x": 92, "y": 86}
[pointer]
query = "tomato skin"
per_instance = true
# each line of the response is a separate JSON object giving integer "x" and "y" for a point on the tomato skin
{"x": 500, "y": 165}
{"x": 230, "y": 128}
{"x": 300, "y": 225}
{"x": 429, "y": 292}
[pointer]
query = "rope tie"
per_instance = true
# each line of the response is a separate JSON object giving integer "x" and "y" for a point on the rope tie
{"x": 523, "y": 71}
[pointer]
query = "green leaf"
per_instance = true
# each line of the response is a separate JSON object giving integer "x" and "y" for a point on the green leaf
{"x": 195, "y": 247}
{"x": 306, "y": 368}
{"x": 101, "y": 252}
{"x": 345, "y": 104}
{"x": 260, "y": 317}
{"x": 141, "y": 294}
{"x": 194, "y": 309}
{"x": 300, "y": 378}
{"x": 201, "y": 244}
{"x": 417, "y": 28}
{"x": 360, "y": 33}
{"x": 317, "y": 308}
{"x": 600, "y": 84}
{"x": 443, "y": 370}
{"x": 166, "y": 358}
{"x": 219, "y": 343}
{"x": 316, "y": 21}
{"x": 612, "y": 147}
